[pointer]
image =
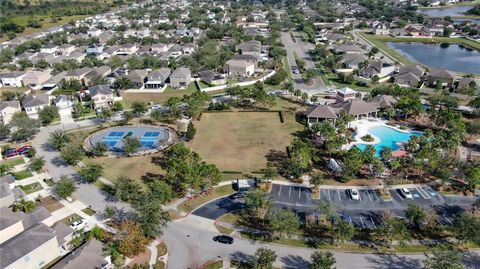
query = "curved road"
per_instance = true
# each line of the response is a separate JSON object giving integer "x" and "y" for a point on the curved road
{"x": 192, "y": 245}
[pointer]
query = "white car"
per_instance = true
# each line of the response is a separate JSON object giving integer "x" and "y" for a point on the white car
{"x": 354, "y": 194}
{"x": 406, "y": 193}
{"x": 78, "y": 224}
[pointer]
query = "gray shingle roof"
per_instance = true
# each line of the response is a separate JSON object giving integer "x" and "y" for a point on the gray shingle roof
{"x": 24, "y": 243}
{"x": 99, "y": 89}
{"x": 35, "y": 100}
{"x": 181, "y": 72}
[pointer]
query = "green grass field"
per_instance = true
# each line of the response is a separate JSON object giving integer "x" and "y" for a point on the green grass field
{"x": 240, "y": 141}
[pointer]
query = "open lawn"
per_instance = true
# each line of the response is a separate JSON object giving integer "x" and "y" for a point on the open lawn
{"x": 14, "y": 161}
{"x": 22, "y": 174}
{"x": 132, "y": 167}
{"x": 241, "y": 141}
{"x": 47, "y": 23}
{"x": 31, "y": 188}
{"x": 159, "y": 98}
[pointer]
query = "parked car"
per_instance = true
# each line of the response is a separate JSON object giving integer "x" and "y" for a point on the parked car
{"x": 24, "y": 150}
{"x": 11, "y": 153}
{"x": 78, "y": 224}
{"x": 406, "y": 193}
{"x": 237, "y": 195}
{"x": 354, "y": 194}
{"x": 224, "y": 239}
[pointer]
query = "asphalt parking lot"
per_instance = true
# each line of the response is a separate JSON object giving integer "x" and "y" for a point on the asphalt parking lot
{"x": 362, "y": 213}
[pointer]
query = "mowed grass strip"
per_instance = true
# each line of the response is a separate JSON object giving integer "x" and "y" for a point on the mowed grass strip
{"x": 241, "y": 141}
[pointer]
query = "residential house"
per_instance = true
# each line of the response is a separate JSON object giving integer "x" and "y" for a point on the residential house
{"x": 157, "y": 78}
{"x": 94, "y": 32}
{"x": 353, "y": 60}
{"x": 189, "y": 48}
{"x": 65, "y": 49}
{"x": 7, "y": 197}
{"x": 99, "y": 72}
{"x": 239, "y": 68}
{"x": 34, "y": 103}
{"x": 54, "y": 81}
{"x": 160, "y": 48}
{"x": 126, "y": 49}
{"x": 467, "y": 83}
{"x": 13, "y": 79}
{"x": 35, "y": 79}
{"x": 138, "y": 78}
{"x": 252, "y": 47}
{"x": 64, "y": 104}
{"x": 417, "y": 31}
{"x": 409, "y": 76}
{"x": 180, "y": 78}
{"x": 77, "y": 74}
{"x": 94, "y": 49}
{"x": 211, "y": 77}
{"x": 88, "y": 256}
{"x": 7, "y": 109}
{"x": 381, "y": 29}
{"x": 348, "y": 49}
{"x": 378, "y": 68}
{"x": 26, "y": 242}
{"x": 445, "y": 77}
{"x": 102, "y": 96}
{"x": 49, "y": 48}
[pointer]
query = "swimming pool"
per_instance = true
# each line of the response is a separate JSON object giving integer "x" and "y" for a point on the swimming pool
{"x": 388, "y": 137}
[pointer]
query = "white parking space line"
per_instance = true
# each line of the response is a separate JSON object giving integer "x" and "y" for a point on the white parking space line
{"x": 422, "y": 193}
{"x": 439, "y": 222}
{"x": 363, "y": 224}
{"x": 373, "y": 222}
{"x": 448, "y": 220}
{"x": 280, "y": 190}
{"x": 359, "y": 196}
{"x": 299, "y": 193}
{"x": 329, "y": 198}
{"x": 399, "y": 196}
{"x": 369, "y": 197}
{"x": 289, "y": 191}
{"x": 339, "y": 198}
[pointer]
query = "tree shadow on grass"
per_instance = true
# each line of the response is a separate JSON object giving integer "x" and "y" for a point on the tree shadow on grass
{"x": 393, "y": 261}
{"x": 150, "y": 177}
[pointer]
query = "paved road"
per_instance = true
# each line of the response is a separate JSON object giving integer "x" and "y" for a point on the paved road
{"x": 381, "y": 54}
{"x": 299, "y": 48}
{"x": 190, "y": 247}
{"x": 86, "y": 193}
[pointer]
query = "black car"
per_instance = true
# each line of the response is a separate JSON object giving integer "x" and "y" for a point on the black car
{"x": 224, "y": 239}
{"x": 237, "y": 195}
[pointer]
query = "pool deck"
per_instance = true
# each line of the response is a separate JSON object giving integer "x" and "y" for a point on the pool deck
{"x": 361, "y": 128}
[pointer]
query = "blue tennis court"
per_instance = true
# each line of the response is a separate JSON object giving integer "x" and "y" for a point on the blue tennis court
{"x": 150, "y": 137}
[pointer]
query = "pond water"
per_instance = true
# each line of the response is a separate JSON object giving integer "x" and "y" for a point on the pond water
{"x": 451, "y": 11}
{"x": 477, "y": 21}
{"x": 449, "y": 56}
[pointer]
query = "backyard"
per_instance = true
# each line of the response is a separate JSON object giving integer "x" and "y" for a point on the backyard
{"x": 241, "y": 141}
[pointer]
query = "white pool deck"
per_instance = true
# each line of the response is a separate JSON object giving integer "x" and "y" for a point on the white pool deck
{"x": 361, "y": 128}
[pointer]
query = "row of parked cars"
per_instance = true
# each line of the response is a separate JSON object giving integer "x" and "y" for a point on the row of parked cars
{"x": 12, "y": 152}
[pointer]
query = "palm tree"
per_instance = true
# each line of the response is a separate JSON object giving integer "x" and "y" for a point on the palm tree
{"x": 5, "y": 169}
{"x": 25, "y": 206}
{"x": 390, "y": 112}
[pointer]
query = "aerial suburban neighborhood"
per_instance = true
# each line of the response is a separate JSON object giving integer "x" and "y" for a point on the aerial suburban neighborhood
{"x": 240, "y": 134}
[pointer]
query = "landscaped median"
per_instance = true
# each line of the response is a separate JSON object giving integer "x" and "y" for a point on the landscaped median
{"x": 380, "y": 42}
{"x": 192, "y": 203}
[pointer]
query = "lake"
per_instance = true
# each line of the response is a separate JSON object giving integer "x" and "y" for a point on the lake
{"x": 451, "y": 11}
{"x": 451, "y": 56}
